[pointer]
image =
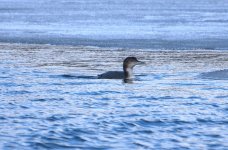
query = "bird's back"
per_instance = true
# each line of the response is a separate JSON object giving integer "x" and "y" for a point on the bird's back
{"x": 112, "y": 75}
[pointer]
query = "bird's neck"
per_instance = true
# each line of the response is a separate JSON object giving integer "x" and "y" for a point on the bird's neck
{"x": 128, "y": 73}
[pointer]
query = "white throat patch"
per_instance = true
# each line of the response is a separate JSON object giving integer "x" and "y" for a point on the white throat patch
{"x": 130, "y": 73}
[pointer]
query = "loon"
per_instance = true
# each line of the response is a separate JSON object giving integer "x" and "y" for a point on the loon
{"x": 126, "y": 74}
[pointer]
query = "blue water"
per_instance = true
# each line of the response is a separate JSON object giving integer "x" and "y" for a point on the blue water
{"x": 50, "y": 99}
{"x": 154, "y": 24}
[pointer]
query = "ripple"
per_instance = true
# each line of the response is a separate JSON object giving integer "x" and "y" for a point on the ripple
{"x": 77, "y": 131}
{"x": 69, "y": 76}
{"x": 169, "y": 97}
{"x": 47, "y": 99}
{"x": 57, "y": 117}
{"x": 8, "y": 84}
{"x": 222, "y": 97}
{"x": 4, "y": 77}
{"x": 145, "y": 122}
{"x": 50, "y": 145}
{"x": 21, "y": 92}
{"x": 210, "y": 121}
{"x": 196, "y": 97}
{"x": 2, "y": 118}
{"x": 216, "y": 75}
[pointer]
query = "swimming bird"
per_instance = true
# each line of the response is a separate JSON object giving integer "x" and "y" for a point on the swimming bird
{"x": 126, "y": 74}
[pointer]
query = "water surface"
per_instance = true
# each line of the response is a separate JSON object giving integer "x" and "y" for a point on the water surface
{"x": 51, "y": 99}
{"x": 155, "y": 24}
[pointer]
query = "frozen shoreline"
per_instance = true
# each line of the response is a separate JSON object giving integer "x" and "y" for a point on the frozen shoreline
{"x": 161, "y": 44}
{"x": 160, "y": 24}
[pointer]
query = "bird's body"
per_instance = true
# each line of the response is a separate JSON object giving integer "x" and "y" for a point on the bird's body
{"x": 112, "y": 75}
{"x": 127, "y": 72}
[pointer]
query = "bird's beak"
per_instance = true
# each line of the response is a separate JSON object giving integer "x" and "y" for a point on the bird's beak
{"x": 141, "y": 63}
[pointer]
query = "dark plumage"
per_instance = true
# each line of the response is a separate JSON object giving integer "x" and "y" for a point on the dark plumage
{"x": 127, "y": 73}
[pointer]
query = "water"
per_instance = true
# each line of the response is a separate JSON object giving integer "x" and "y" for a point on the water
{"x": 51, "y": 99}
{"x": 157, "y": 24}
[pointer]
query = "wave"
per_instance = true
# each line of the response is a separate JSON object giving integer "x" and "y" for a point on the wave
{"x": 216, "y": 75}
